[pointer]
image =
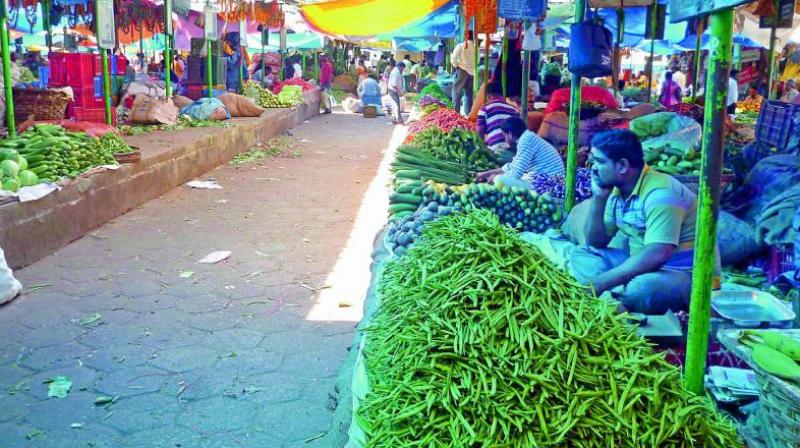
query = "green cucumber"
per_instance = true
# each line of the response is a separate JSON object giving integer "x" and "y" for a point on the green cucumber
{"x": 401, "y": 207}
{"x": 395, "y": 198}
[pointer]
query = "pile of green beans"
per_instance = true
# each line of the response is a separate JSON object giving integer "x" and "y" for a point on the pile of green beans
{"x": 482, "y": 342}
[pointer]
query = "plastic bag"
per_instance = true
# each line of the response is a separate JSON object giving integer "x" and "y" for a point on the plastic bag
{"x": 10, "y": 287}
{"x": 590, "y": 49}
{"x": 91, "y": 128}
{"x": 150, "y": 110}
{"x": 735, "y": 239}
{"x": 206, "y": 109}
{"x": 768, "y": 178}
{"x": 681, "y": 133}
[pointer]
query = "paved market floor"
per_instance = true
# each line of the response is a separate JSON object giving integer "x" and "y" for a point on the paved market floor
{"x": 243, "y": 353}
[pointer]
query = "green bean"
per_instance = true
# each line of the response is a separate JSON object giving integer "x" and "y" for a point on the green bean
{"x": 480, "y": 341}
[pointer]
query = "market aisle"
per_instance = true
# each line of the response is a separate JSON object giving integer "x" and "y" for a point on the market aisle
{"x": 243, "y": 353}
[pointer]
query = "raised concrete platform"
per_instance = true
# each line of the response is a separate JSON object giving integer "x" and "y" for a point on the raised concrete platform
{"x": 33, "y": 230}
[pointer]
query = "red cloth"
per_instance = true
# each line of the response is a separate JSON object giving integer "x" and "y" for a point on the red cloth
{"x": 326, "y": 75}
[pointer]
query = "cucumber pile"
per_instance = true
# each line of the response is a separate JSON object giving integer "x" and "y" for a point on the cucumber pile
{"x": 674, "y": 161}
{"x": 53, "y": 153}
{"x": 405, "y": 232}
{"x": 266, "y": 98}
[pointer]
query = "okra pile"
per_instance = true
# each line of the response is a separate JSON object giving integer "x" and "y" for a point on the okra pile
{"x": 480, "y": 341}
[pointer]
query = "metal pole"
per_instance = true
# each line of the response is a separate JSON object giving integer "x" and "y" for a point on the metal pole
{"x": 303, "y": 54}
{"x": 48, "y": 38}
{"x": 209, "y": 70}
{"x": 653, "y": 25}
{"x": 263, "y": 63}
{"x": 280, "y": 50}
{"x": 475, "y": 85}
{"x": 708, "y": 199}
{"x": 526, "y": 75}
{"x": 617, "y": 51}
{"x": 106, "y": 85}
{"x": 167, "y": 49}
{"x": 771, "y": 61}
{"x": 141, "y": 37}
{"x": 505, "y": 63}
{"x": 698, "y": 58}
{"x": 316, "y": 66}
{"x": 487, "y": 48}
{"x": 12, "y": 127}
{"x": 574, "y": 122}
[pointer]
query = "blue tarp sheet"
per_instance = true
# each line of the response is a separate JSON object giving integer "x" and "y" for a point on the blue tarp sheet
{"x": 738, "y": 38}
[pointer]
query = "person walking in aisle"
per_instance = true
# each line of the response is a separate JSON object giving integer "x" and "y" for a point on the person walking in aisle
{"x": 733, "y": 91}
{"x": 463, "y": 60}
{"x": 325, "y": 83}
{"x": 395, "y": 89}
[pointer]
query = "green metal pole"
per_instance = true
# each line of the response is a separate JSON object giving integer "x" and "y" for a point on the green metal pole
{"x": 708, "y": 199}
{"x": 698, "y": 58}
{"x": 487, "y": 46}
{"x": 617, "y": 54}
{"x": 304, "y": 63}
{"x": 209, "y": 70}
{"x": 12, "y": 127}
{"x": 526, "y": 75}
{"x": 573, "y": 137}
{"x": 653, "y": 25}
{"x": 48, "y": 38}
{"x": 316, "y": 66}
{"x": 505, "y": 63}
{"x": 263, "y": 63}
{"x": 106, "y": 85}
{"x": 475, "y": 82}
{"x": 771, "y": 62}
{"x": 167, "y": 69}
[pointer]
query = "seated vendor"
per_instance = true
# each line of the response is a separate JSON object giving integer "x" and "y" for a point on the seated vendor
{"x": 369, "y": 91}
{"x": 657, "y": 215}
{"x": 532, "y": 155}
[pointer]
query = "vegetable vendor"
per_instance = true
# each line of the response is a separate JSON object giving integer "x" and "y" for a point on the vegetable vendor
{"x": 491, "y": 116}
{"x": 532, "y": 155}
{"x": 654, "y": 211}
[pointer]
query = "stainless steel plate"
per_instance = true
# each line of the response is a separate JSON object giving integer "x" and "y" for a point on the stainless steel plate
{"x": 750, "y": 308}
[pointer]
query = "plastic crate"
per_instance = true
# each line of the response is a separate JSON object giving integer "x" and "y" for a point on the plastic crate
{"x": 779, "y": 125}
{"x": 113, "y": 66}
{"x": 79, "y": 69}
{"x": 781, "y": 259}
{"x": 122, "y": 66}
{"x": 57, "y": 73}
{"x": 44, "y": 77}
{"x": 94, "y": 115}
{"x": 83, "y": 97}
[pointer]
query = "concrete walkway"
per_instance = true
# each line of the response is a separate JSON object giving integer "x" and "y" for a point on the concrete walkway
{"x": 242, "y": 353}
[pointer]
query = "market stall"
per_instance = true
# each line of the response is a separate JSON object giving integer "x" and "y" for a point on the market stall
{"x": 451, "y": 321}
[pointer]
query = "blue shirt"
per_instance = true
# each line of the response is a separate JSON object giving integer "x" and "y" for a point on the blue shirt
{"x": 534, "y": 156}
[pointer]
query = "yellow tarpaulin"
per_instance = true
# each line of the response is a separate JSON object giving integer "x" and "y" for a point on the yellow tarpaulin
{"x": 366, "y": 18}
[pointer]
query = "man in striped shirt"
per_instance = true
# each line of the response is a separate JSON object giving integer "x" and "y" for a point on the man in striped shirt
{"x": 654, "y": 211}
{"x": 492, "y": 115}
{"x": 533, "y": 155}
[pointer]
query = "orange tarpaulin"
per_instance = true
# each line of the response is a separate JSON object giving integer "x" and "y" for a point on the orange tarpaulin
{"x": 366, "y": 17}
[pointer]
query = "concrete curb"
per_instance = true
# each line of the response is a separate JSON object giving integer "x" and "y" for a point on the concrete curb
{"x": 33, "y": 230}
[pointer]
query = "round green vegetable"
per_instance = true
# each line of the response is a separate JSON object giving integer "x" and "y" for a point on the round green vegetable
{"x": 28, "y": 178}
{"x": 11, "y": 184}
{"x": 23, "y": 164}
{"x": 9, "y": 168}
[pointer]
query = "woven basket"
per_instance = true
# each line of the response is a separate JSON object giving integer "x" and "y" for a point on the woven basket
{"x": 781, "y": 411}
{"x": 130, "y": 157}
{"x": 43, "y": 104}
